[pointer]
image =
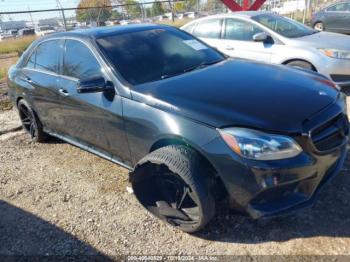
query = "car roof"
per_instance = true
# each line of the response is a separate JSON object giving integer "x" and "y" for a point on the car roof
{"x": 99, "y": 32}
{"x": 243, "y": 14}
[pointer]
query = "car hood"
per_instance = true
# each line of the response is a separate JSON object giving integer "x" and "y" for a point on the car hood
{"x": 325, "y": 40}
{"x": 241, "y": 93}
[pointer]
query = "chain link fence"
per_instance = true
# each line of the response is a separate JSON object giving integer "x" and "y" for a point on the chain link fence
{"x": 162, "y": 11}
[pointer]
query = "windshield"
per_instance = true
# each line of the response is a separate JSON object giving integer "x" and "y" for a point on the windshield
{"x": 284, "y": 26}
{"x": 155, "y": 54}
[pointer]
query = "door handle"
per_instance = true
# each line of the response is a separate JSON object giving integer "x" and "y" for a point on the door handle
{"x": 229, "y": 48}
{"x": 63, "y": 92}
{"x": 28, "y": 80}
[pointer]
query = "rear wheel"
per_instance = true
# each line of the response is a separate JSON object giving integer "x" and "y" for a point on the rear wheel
{"x": 172, "y": 184}
{"x": 301, "y": 64}
{"x": 30, "y": 122}
{"x": 319, "y": 26}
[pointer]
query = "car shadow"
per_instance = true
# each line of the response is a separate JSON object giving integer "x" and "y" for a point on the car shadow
{"x": 54, "y": 140}
{"x": 24, "y": 234}
{"x": 329, "y": 217}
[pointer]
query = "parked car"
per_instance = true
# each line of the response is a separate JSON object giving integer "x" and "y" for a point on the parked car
{"x": 334, "y": 18}
{"x": 25, "y": 32}
{"x": 8, "y": 34}
{"x": 271, "y": 38}
{"x": 192, "y": 126}
{"x": 45, "y": 30}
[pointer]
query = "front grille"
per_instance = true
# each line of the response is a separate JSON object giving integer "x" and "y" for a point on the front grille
{"x": 331, "y": 134}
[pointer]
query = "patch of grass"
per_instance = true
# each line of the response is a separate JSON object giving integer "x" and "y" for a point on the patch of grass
{"x": 3, "y": 73}
{"x": 176, "y": 23}
{"x": 17, "y": 45}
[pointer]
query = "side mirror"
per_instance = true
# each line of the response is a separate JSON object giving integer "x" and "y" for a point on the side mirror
{"x": 260, "y": 37}
{"x": 93, "y": 85}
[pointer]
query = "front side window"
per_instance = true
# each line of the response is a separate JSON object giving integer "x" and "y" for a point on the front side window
{"x": 208, "y": 29}
{"x": 284, "y": 26}
{"x": 79, "y": 62}
{"x": 48, "y": 55}
{"x": 240, "y": 30}
{"x": 156, "y": 54}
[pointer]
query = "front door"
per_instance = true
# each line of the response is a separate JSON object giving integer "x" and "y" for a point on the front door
{"x": 238, "y": 41}
{"x": 94, "y": 119}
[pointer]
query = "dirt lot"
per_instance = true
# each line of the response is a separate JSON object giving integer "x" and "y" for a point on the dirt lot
{"x": 56, "y": 199}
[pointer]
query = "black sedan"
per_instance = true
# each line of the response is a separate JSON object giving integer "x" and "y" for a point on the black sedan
{"x": 194, "y": 127}
{"x": 334, "y": 18}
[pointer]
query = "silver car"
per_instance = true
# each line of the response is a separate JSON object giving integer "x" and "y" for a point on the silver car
{"x": 271, "y": 38}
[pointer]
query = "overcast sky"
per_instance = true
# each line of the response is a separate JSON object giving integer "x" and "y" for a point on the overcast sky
{"x": 25, "y": 5}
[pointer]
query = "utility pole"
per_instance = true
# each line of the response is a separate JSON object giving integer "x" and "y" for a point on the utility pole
{"x": 31, "y": 17}
{"x": 63, "y": 16}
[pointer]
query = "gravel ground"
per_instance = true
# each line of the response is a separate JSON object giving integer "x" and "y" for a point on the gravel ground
{"x": 56, "y": 199}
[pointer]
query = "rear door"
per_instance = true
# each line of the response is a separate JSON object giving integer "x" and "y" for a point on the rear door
{"x": 94, "y": 119}
{"x": 238, "y": 41}
{"x": 346, "y": 20}
{"x": 337, "y": 18}
{"x": 210, "y": 31}
{"x": 40, "y": 75}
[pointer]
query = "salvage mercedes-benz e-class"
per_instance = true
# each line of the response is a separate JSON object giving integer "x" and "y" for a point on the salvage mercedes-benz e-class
{"x": 193, "y": 127}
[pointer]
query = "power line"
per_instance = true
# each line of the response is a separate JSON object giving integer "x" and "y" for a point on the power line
{"x": 81, "y": 8}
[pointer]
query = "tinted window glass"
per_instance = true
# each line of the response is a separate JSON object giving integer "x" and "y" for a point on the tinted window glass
{"x": 338, "y": 7}
{"x": 31, "y": 61}
{"x": 208, "y": 29}
{"x": 240, "y": 30}
{"x": 47, "y": 56}
{"x": 156, "y": 54}
{"x": 284, "y": 26}
{"x": 79, "y": 61}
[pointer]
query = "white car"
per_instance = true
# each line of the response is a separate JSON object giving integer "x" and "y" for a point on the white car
{"x": 270, "y": 38}
{"x": 44, "y": 30}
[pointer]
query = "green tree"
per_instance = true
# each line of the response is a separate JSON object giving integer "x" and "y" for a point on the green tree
{"x": 179, "y": 7}
{"x": 157, "y": 8}
{"x": 102, "y": 12}
{"x": 132, "y": 8}
{"x": 191, "y": 5}
{"x": 116, "y": 15}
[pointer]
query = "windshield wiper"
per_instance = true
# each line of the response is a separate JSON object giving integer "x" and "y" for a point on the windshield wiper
{"x": 191, "y": 68}
{"x": 202, "y": 65}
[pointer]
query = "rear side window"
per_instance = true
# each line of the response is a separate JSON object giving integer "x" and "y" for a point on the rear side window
{"x": 48, "y": 55}
{"x": 79, "y": 62}
{"x": 338, "y": 8}
{"x": 189, "y": 28}
{"x": 208, "y": 29}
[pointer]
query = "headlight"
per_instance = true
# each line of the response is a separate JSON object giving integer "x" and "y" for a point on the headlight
{"x": 257, "y": 145}
{"x": 334, "y": 53}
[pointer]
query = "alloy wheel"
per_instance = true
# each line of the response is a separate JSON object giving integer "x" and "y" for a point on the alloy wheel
{"x": 173, "y": 200}
{"x": 28, "y": 121}
{"x": 319, "y": 27}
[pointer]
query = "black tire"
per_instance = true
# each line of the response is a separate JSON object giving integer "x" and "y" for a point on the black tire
{"x": 172, "y": 183}
{"x": 30, "y": 122}
{"x": 319, "y": 26}
{"x": 301, "y": 64}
